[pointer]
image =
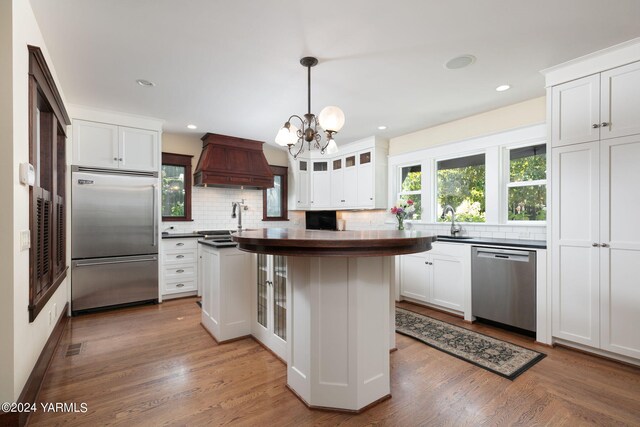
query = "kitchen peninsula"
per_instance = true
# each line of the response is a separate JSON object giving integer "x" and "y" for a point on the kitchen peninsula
{"x": 339, "y": 320}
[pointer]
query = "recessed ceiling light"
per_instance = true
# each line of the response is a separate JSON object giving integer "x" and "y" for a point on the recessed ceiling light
{"x": 502, "y": 88}
{"x": 382, "y": 127}
{"x": 460, "y": 62}
{"x": 145, "y": 83}
{"x": 192, "y": 126}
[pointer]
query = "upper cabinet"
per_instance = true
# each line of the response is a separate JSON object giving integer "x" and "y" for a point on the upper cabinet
{"x": 599, "y": 106}
{"x": 111, "y": 146}
{"x": 356, "y": 178}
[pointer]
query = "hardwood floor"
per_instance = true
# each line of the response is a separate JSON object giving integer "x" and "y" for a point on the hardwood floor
{"x": 155, "y": 365}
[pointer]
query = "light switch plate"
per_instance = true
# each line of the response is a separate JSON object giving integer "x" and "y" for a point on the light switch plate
{"x": 25, "y": 240}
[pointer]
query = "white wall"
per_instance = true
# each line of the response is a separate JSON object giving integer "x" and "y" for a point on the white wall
{"x": 28, "y": 338}
{"x": 514, "y": 116}
{"x": 6, "y": 191}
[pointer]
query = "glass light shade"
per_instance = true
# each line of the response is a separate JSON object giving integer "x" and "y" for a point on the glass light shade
{"x": 287, "y": 136}
{"x": 331, "y": 118}
{"x": 332, "y": 147}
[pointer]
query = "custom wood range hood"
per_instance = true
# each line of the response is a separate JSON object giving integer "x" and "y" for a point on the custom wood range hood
{"x": 227, "y": 161}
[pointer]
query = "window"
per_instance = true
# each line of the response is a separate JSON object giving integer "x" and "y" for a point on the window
{"x": 461, "y": 184}
{"x": 274, "y": 200}
{"x": 47, "y": 141}
{"x": 411, "y": 187}
{"x": 176, "y": 187}
{"x": 527, "y": 184}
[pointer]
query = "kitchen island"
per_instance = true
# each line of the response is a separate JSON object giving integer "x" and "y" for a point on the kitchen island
{"x": 340, "y": 318}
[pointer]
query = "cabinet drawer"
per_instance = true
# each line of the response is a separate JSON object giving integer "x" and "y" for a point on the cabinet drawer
{"x": 180, "y": 256}
{"x": 170, "y": 244}
{"x": 175, "y": 286}
{"x": 177, "y": 272}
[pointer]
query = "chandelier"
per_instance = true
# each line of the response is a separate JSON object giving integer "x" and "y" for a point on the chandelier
{"x": 331, "y": 119}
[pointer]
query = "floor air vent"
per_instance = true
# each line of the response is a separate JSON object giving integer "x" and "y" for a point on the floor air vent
{"x": 74, "y": 349}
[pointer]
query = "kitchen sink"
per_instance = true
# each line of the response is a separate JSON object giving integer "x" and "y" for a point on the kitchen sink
{"x": 444, "y": 236}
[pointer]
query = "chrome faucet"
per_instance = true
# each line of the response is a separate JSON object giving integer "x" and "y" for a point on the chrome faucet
{"x": 239, "y": 206}
{"x": 455, "y": 229}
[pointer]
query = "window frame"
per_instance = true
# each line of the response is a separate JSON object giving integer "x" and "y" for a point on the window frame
{"x": 175, "y": 159}
{"x": 46, "y": 108}
{"x": 434, "y": 198}
{"x": 283, "y": 172}
{"x": 506, "y": 183}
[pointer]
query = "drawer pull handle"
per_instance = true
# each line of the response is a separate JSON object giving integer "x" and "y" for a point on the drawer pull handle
{"x": 179, "y": 256}
{"x": 604, "y": 124}
{"x": 179, "y": 244}
{"x": 595, "y": 126}
{"x": 179, "y": 285}
{"x": 180, "y": 271}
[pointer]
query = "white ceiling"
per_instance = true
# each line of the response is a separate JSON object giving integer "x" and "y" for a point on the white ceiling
{"x": 231, "y": 67}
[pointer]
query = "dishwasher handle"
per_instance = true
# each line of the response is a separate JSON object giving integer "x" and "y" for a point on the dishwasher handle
{"x": 503, "y": 254}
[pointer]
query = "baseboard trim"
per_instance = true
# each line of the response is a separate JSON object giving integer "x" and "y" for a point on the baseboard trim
{"x": 596, "y": 352}
{"x": 340, "y": 410}
{"x": 32, "y": 387}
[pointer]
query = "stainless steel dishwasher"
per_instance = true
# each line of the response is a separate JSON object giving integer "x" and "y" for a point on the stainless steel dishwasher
{"x": 503, "y": 285}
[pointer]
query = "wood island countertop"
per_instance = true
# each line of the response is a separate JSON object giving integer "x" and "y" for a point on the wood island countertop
{"x": 296, "y": 242}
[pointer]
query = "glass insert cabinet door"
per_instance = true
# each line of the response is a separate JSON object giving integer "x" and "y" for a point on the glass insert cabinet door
{"x": 271, "y": 302}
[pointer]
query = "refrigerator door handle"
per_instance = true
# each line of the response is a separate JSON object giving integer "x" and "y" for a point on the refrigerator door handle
{"x": 154, "y": 216}
{"x": 86, "y": 264}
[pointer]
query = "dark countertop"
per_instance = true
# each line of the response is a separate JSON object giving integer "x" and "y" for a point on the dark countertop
{"x": 296, "y": 242}
{"x": 180, "y": 235}
{"x": 517, "y": 243}
{"x": 212, "y": 245}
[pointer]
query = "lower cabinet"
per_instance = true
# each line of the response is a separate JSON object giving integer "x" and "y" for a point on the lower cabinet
{"x": 226, "y": 295}
{"x": 179, "y": 267}
{"x": 439, "y": 276}
{"x": 269, "y": 302}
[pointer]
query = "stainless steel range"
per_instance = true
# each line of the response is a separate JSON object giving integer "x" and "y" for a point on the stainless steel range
{"x": 218, "y": 238}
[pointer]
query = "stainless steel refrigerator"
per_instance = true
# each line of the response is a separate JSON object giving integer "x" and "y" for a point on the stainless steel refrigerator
{"x": 114, "y": 240}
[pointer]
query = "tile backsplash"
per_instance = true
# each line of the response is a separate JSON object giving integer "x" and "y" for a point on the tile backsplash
{"x": 211, "y": 210}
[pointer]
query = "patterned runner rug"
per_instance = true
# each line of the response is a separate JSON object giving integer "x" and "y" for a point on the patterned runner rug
{"x": 500, "y": 357}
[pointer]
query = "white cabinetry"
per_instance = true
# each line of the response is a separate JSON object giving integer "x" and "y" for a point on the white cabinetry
{"x": 270, "y": 302}
{"x": 105, "y": 145}
{"x": 437, "y": 277}
{"x": 320, "y": 184}
{"x": 366, "y": 182}
{"x": 595, "y": 240}
{"x": 355, "y": 179}
{"x": 226, "y": 298}
{"x": 600, "y": 106}
{"x": 595, "y": 245}
{"x": 179, "y": 267}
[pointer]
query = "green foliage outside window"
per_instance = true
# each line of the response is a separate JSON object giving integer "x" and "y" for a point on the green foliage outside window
{"x": 173, "y": 192}
{"x": 463, "y": 189}
{"x": 528, "y": 202}
{"x": 412, "y": 182}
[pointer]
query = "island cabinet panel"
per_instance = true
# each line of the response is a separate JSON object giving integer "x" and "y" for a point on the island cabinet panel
{"x": 339, "y": 321}
{"x": 270, "y": 292}
{"x": 226, "y": 295}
